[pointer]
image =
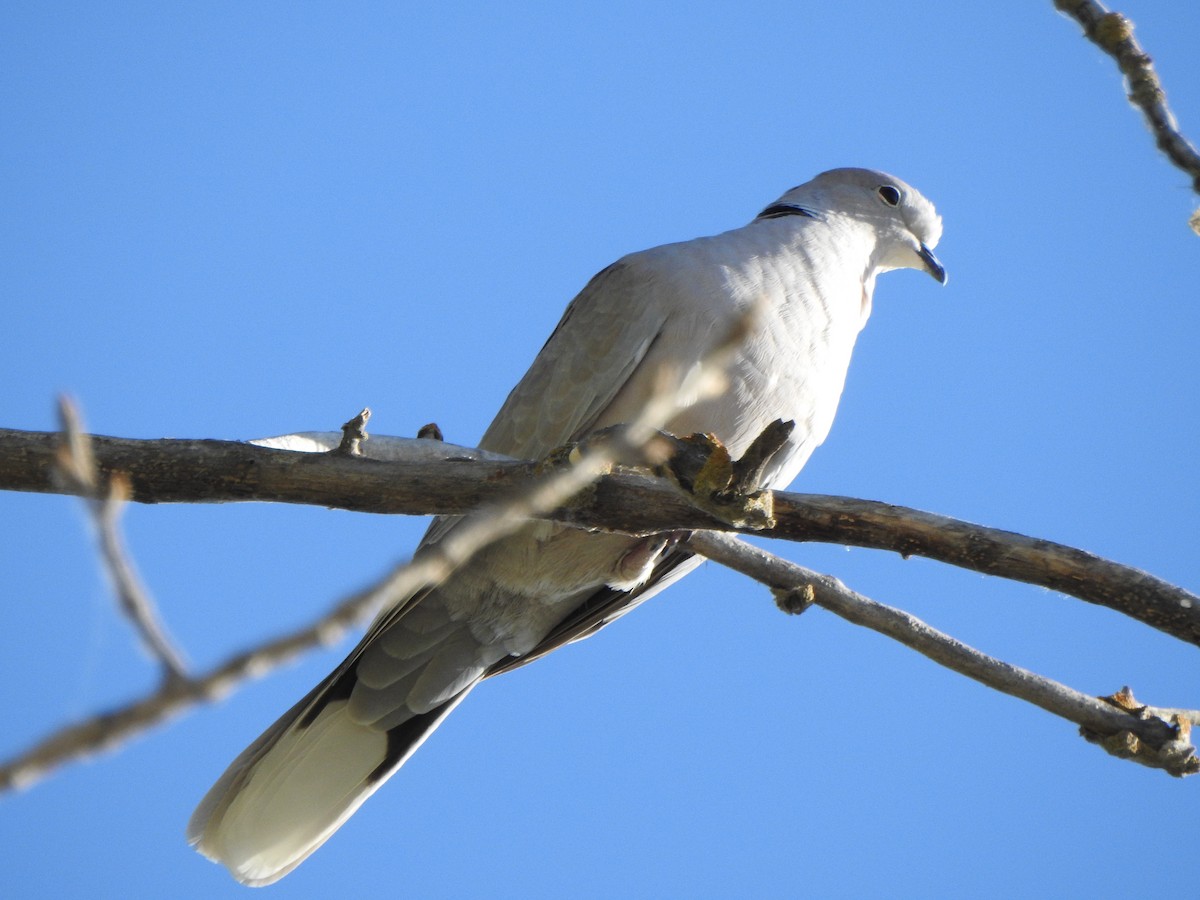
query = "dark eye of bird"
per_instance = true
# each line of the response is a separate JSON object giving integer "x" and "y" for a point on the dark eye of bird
{"x": 889, "y": 195}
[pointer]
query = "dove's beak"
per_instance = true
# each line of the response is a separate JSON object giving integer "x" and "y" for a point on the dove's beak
{"x": 932, "y": 266}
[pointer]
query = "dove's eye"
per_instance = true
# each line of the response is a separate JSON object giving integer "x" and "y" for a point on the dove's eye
{"x": 890, "y": 195}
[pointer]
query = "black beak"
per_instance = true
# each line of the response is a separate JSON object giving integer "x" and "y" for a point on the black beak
{"x": 932, "y": 266}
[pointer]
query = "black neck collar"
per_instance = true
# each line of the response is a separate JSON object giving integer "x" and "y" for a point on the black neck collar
{"x": 782, "y": 209}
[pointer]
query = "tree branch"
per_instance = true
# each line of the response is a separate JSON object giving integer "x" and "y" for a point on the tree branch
{"x": 443, "y": 478}
{"x": 1159, "y": 744}
{"x": 1113, "y": 33}
{"x": 174, "y": 695}
{"x": 1139, "y": 733}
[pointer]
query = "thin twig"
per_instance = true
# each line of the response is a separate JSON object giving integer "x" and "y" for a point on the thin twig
{"x": 110, "y": 729}
{"x": 1166, "y": 746}
{"x": 1113, "y": 33}
{"x": 354, "y": 433}
{"x": 104, "y": 501}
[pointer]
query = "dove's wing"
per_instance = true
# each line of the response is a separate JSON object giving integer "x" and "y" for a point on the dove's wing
{"x": 597, "y": 346}
{"x": 605, "y": 606}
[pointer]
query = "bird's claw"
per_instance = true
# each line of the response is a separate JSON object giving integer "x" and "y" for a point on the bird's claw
{"x": 727, "y": 488}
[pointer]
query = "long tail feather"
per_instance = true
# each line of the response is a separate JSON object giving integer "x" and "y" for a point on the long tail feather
{"x": 295, "y": 786}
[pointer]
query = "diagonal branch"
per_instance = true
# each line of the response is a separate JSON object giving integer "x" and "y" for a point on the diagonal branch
{"x": 1113, "y": 33}
{"x": 554, "y": 485}
{"x": 110, "y": 729}
{"x": 1161, "y": 744}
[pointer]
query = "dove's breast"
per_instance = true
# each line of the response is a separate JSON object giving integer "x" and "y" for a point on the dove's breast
{"x": 803, "y": 305}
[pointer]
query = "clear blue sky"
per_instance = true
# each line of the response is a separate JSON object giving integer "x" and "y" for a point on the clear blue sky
{"x": 234, "y": 220}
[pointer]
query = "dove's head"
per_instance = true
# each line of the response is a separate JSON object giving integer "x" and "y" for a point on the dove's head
{"x": 906, "y": 225}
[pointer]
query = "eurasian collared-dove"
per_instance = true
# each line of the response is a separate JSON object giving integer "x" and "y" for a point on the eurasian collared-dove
{"x": 807, "y": 264}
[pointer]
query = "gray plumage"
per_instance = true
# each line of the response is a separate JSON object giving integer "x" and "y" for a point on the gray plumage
{"x": 807, "y": 265}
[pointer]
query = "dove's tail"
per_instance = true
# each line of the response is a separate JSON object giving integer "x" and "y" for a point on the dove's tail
{"x": 294, "y": 787}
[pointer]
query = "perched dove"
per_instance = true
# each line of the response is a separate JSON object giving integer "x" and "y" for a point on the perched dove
{"x": 807, "y": 264}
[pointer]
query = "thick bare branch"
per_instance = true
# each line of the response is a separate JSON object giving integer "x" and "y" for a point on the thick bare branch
{"x": 992, "y": 551}
{"x": 617, "y": 502}
{"x": 1166, "y": 744}
{"x": 442, "y": 478}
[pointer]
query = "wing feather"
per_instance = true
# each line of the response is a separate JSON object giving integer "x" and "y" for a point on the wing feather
{"x": 599, "y": 343}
